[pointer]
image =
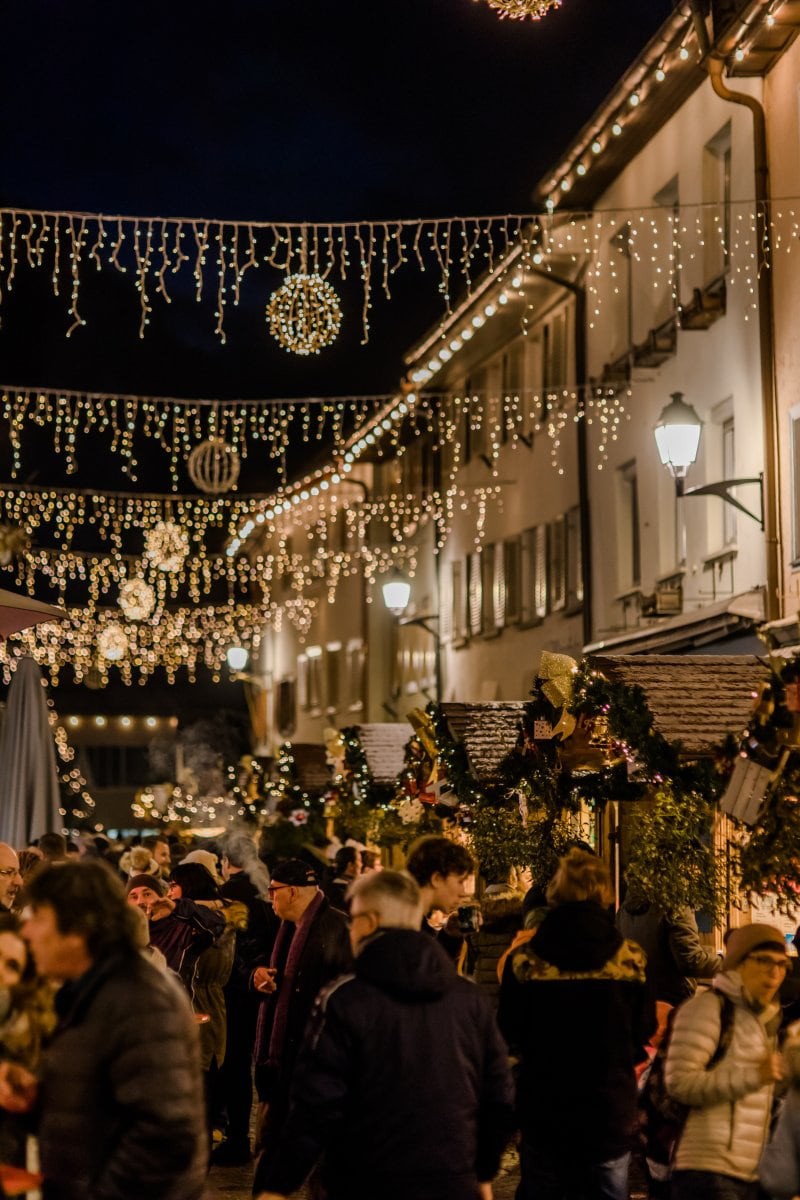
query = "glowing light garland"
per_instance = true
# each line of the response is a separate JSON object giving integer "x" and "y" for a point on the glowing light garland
{"x": 304, "y": 314}
{"x": 519, "y": 10}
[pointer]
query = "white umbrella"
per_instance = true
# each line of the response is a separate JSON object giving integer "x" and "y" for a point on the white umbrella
{"x": 20, "y": 612}
{"x": 29, "y": 791}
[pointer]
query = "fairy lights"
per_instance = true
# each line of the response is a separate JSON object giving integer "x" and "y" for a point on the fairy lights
{"x": 166, "y": 546}
{"x": 214, "y": 466}
{"x": 520, "y": 10}
{"x": 304, "y": 314}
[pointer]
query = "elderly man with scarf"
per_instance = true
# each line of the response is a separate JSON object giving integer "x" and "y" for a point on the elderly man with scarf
{"x": 312, "y": 947}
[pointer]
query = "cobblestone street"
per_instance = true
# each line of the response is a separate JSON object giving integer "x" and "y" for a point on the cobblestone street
{"x": 233, "y": 1183}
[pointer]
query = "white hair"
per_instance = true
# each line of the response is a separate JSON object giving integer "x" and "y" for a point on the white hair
{"x": 393, "y": 896}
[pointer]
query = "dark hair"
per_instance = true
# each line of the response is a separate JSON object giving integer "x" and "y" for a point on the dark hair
{"x": 369, "y": 858}
{"x": 88, "y": 899}
{"x": 344, "y": 857}
{"x": 195, "y": 881}
{"x": 431, "y": 855}
{"x": 53, "y": 845}
{"x": 29, "y": 860}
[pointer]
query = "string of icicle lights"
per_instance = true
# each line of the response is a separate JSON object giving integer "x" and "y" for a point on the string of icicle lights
{"x": 223, "y": 259}
{"x": 269, "y": 428}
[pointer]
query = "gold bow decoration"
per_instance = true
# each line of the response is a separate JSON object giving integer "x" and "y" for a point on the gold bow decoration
{"x": 423, "y": 727}
{"x": 557, "y": 673}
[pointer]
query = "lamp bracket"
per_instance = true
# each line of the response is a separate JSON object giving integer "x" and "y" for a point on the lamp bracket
{"x": 722, "y": 489}
{"x": 423, "y": 623}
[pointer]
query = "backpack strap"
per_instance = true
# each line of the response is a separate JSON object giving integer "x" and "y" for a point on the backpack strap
{"x": 726, "y": 1018}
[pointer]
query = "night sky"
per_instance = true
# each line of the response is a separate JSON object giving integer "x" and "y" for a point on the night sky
{"x": 277, "y": 109}
{"x": 269, "y": 110}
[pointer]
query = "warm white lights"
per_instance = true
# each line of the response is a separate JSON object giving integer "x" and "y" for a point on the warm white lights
{"x": 597, "y": 146}
{"x": 678, "y": 435}
{"x": 616, "y": 129}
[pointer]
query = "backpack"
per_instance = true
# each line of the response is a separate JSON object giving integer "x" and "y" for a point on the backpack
{"x": 661, "y": 1117}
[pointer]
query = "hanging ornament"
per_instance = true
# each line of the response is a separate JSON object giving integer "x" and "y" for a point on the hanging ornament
{"x": 166, "y": 546}
{"x": 214, "y": 466}
{"x": 304, "y": 314}
{"x": 136, "y": 599}
{"x": 13, "y": 541}
{"x": 518, "y": 10}
{"x": 112, "y": 642}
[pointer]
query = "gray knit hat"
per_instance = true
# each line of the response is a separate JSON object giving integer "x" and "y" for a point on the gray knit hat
{"x": 748, "y": 938}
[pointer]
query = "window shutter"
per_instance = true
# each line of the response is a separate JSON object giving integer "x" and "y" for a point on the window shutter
{"x": 540, "y": 571}
{"x": 558, "y": 564}
{"x": 458, "y": 601}
{"x": 333, "y": 680}
{"x": 499, "y": 585}
{"x": 487, "y": 588}
{"x": 511, "y": 571}
{"x": 527, "y": 576}
{"x": 475, "y": 594}
{"x": 574, "y": 559}
{"x": 446, "y": 606}
{"x": 286, "y": 720}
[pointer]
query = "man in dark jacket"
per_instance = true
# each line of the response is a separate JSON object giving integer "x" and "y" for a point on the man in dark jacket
{"x": 312, "y": 947}
{"x": 118, "y": 1106}
{"x": 676, "y": 957}
{"x": 402, "y": 1086}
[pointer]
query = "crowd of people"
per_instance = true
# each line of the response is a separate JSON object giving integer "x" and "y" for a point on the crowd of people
{"x": 398, "y": 1035}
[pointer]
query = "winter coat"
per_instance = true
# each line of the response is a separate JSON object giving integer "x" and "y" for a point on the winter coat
{"x": 29, "y": 1021}
{"x": 402, "y": 1085}
{"x": 502, "y": 918}
{"x": 254, "y": 943}
{"x": 120, "y": 1109}
{"x": 212, "y": 970}
{"x": 183, "y": 934}
{"x": 326, "y": 955}
{"x": 675, "y": 955}
{"x": 730, "y": 1107}
{"x": 779, "y": 1170}
{"x": 575, "y": 1007}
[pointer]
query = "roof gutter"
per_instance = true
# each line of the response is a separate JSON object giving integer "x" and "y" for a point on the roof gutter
{"x": 714, "y": 62}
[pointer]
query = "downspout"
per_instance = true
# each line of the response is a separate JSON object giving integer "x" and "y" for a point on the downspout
{"x": 714, "y": 64}
{"x": 584, "y": 514}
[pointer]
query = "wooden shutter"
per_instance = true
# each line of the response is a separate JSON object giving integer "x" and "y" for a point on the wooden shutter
{"x": 499, "y": 585}
{"x": 475, "y": 594}
{"x": 511, "y": 580}
{"x": 540, "y": 571}
{"x": 556, "y": 536}
{"x": 574, "y": 559}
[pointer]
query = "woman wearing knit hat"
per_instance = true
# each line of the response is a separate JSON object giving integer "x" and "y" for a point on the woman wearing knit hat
{"x": 727, "y": 1083}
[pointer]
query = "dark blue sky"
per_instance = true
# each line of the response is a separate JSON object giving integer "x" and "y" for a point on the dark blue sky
{"x": 278, "y": 109}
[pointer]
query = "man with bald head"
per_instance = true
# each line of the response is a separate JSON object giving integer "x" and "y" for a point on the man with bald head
{"x": 10, "y": 878}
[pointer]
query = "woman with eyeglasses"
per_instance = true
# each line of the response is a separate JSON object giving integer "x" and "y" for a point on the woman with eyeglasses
{"x": 722, "y": 1062}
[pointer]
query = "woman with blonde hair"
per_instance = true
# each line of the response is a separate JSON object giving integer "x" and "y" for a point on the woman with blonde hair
{"x": 575, "y": 1009}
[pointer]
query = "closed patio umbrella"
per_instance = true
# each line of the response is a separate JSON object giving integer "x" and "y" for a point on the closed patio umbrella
{"x": 29, "y": 791}
{"x": 20, "y": 612}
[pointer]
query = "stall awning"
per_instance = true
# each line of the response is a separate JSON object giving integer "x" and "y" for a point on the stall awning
{"x": 732, "y": 622}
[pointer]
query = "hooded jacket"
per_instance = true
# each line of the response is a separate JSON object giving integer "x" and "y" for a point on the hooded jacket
{"x": 730, "y": 1107}
{"x": 402, "y": 1085}
{"x": 675, "y": 955}
{"x": 575, "y": 1007}
{"x": 502, "y": 917}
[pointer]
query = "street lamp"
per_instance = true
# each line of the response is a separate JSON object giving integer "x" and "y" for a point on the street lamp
{"x": 396, "y": 595}
{"x": 237, "y": 658}
{"x": 677, "y": 434}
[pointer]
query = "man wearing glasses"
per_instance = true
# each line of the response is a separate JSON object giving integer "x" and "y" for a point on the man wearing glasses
{"x": 402, "y": 1086}
{"x": 311, "y": 948}
{"x": 10, "y": 878}
{"x": 730, "y": 1102}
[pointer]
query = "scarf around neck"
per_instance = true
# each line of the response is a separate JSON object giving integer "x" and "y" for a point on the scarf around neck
{"x": 283, "y": 997}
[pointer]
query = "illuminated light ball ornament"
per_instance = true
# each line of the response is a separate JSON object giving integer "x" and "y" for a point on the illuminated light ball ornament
{"x": 213, "y": 466}
{"x": 166, "y": 546}
{"x": 112, "y": 642}
{"x": 137, "y": 599}
{"x": 304, "y": 314}
{"x": 519, "y": 10}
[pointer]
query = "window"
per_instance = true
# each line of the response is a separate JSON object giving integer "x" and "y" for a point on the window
{"x": 302, "y": 682}
{"x": 668, "y": 199}
{"x": 285, "y": 708}
{"x": 314, "y": 662}
{"x": 458, "y": 600}
{"x": 555, "y": 351}
{"x": 574, "y": 560}
{"x": 333, "y": 676}
{"x": 511, "y": 581}
{"x": 512, "y": 384}
{"x": 475, "y": 594}
{"x": 717, "y": 204}
{"x": 355, "y": 675}
{"x": 628, "y": 541}
{"x": 557, "y": 564}
{"x": 620, "y": 315}
{"x": 488, "y": 558}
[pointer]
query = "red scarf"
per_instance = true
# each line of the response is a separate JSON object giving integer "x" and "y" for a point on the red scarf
{"x": 283, "y": 997}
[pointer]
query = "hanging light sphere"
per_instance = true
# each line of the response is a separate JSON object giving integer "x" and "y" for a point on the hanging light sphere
{"x": 519, "y": 10}
{"x": 213, "y": 466}
{"x": 136, "y": 599}
{"x": 304, "y": 314}
{"x": 112, "y": 642}
{"x": 166, "y": 546}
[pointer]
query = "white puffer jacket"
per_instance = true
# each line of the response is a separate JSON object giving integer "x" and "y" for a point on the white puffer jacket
{"x": 729, "y": 1122}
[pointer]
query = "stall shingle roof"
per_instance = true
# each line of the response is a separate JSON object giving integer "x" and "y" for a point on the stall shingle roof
{"x": 384, "y": 744}
{"x": 488, "y": 732}
{"x": 695, "y": 699}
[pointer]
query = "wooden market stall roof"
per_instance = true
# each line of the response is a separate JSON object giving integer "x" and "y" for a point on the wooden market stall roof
{"x": 384, "y": 744}
{"x": 695, "y": 699}
{"x": 488, "y": 732}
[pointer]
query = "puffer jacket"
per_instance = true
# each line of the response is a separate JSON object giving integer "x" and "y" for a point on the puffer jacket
{"x": 730, "y": 1107}
{"x": 675, "y": 955}
{"x": 502, "y": 918}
